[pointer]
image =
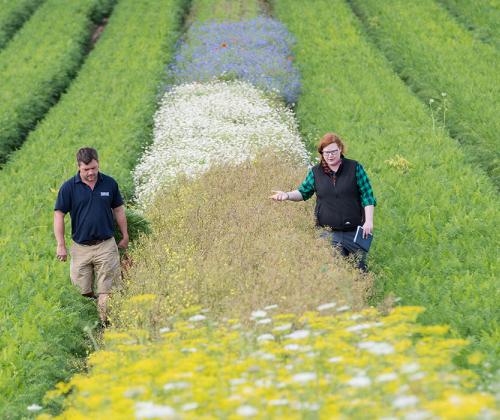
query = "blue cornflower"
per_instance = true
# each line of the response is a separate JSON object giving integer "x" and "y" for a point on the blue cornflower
{"x": 258, "y": 51}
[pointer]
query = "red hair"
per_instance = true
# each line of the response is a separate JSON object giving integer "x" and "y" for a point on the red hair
{"x": 330, "y": 138}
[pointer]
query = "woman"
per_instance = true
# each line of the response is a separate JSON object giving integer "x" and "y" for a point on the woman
{"x": 344, "y": 197}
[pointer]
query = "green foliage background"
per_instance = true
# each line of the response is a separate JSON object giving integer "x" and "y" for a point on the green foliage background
{"x": 12, "y": 15}
{"x": 433, "y": 54}
{"x": 480, "y": 17}
{"x": 40, "y": 63}
{"x": 436, "y": 211}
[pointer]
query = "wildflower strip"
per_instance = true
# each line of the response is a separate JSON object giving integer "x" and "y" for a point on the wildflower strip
{"x": 201, "y": 125}
{"x": 429, "y": 49}
{"x": 12, "y": 16}
{"x": 217, "y": 241}
{"x": 434, "y": 202}
{"x": 257, "y": 51}
{"x": 333, "y": 363}
{"x": 40, "y": 63}
{"x": 110, "y": 106}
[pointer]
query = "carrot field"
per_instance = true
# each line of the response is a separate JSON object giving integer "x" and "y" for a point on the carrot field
{"x": 232, "y": 305}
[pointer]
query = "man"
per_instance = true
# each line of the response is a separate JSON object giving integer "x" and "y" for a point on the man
{"x": 92, "y": 199}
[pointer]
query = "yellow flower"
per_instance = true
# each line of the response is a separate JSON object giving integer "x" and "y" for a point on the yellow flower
{"x": 142, "y": 298}
{"x": 461, "y": 406}
{"x": 116, "y": 336}
{"x": 203, "y": 368}
{"x": 433, "y": 329}
{"x": 101, "y": 356}
{"x": 475, "y": 358}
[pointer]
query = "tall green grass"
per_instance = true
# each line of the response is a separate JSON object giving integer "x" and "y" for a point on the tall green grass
{"x": 436, "y": 218}
{"x": 109, "y": 106}
{"x": 40, "y": 62}
{"x": 433, "y": 54}
{"x": 481, "y": 17}
{"x": 12, "y": 16}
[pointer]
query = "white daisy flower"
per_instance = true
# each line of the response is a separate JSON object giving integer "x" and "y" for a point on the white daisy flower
{"x": 326, "y": 306}
{"x": 230, "y": 122}
{"x": 298, "y": 335}
{"x": 149, "y": 410}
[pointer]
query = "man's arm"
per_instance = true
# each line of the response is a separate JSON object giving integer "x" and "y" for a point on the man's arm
{"x": 121, "y": 220}
{"x": 61, "y": 251}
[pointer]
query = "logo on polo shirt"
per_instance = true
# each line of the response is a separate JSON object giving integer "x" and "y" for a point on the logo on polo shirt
{"x": 104, "y": 193}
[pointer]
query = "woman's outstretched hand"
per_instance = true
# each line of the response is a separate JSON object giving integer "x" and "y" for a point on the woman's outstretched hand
{"x": 279, "y": 196}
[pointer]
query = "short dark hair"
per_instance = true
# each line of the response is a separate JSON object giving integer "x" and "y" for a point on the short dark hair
{"x": 86, "y": 155}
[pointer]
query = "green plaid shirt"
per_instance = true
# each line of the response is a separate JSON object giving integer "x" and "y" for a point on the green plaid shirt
{"x": 365, "y": 189}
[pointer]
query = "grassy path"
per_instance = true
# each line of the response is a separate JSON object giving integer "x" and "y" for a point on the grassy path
{"x": 434, "y": 208}
{"x": 109, "y": 106}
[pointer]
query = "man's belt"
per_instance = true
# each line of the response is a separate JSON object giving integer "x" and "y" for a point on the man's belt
{"x": 93, "y": 242}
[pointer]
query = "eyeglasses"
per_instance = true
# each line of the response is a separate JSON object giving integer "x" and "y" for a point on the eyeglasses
{"x": 330, "y": 152}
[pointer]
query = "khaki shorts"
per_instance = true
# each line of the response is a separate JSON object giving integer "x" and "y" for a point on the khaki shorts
{"x": 101, "y": 261}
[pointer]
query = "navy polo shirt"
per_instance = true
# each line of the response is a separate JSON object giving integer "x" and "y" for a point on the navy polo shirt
{"x": 90, "y": 210}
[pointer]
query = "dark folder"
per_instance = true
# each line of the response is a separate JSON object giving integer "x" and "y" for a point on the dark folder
{"x": 364, "y": 243}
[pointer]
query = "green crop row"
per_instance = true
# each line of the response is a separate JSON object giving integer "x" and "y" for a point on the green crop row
{"x": 227, "y": 10}
{"x": 40, "y": 62}
{"x": 481, "y": 17}
{"x": 436, "y": 56}
{"x": 12, "y": 16}
{"x": 437, "y": 216}
{"x": 109, "y": 106}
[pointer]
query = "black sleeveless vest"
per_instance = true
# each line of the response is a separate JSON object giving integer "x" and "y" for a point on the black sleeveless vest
{"x": 338, "y": 205}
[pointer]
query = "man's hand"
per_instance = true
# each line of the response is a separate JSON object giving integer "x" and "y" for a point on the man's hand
{"x": 121, "y": 220}
{"x": 123, "y": 244}
{"x": 367, "y": 229}
{"x": 61, "y": 253}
